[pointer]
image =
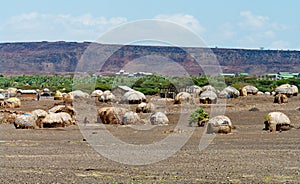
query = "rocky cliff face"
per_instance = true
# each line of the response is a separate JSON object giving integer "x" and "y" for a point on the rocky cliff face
{"x": 60, "y": 57}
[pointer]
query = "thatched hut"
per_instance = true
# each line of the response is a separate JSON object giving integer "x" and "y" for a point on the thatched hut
{"x": 111, "y": 115}
{"x": 183, "y": 97}
{"x": 158, "y": 118}
{"x": 248, "y": 90}
{"x": 130, "y": 118}
{"x": 280, "y": 98}
{"x": 25, "y": 121}
{"x": 145, "y": 107}
{"x": 229, "y": 92}
{"x": 208, "y": 97}
{"x": 219, "y": 124}
{"x": 8, "y": 118}
{"x": 68, "y": 98}
{"x": 11, "y": 92}
{"x": 96, "y": 93}
{"x": 287, "y": 89}
{"x": 12, "y": 103}
{"x": 30, "y": 120}
{"x": 295, "y": 90}
{"x": 80, "y": 94}
{"x": 63, "y": 108}
{"x": 46, "y": 92}
{"x": 133, "y": 97}
{"x": 277, "y": 121}
{"x": 107, "y": 96}
{"x": 39, "y": 116}
{"x": 195, "y": 90}
{"x": 53, "y": 120}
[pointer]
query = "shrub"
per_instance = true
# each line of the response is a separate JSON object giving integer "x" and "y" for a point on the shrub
{"x": 199, "y": 117}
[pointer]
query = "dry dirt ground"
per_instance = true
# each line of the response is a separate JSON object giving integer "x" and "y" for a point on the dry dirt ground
{"x": 248, "y": 155}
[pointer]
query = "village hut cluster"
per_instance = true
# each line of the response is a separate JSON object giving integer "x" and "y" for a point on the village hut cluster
{"x": 64, "y": 114}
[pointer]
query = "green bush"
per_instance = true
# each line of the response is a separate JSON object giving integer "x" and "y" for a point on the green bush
{"x": 199, "y": 117}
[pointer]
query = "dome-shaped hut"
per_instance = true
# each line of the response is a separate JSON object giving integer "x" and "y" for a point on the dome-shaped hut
{"x": 96, "y": 93}
{"x": 54, "y": 120}
{"x": 11, "y": 92}
{"x": 208, "y": 97}
{"x": 130, "y": 118}
{"x": 68, "y": 98}
{"x": 229, "y": 92}
{"x": 195, "y": 90}
{"x": 111, "y": 115}
{"x": 145, "y": 107}
{"x": 287, "y": 89}
{"x": 280, "y": 98}
{"x": 248, "y": 89}
{"x": 133, "y": 97}
{"x": 219, "y": 124}
{"x": 12, "y": 103}
{"x": 107, "y": 96}
{"x": 80, "y": 94}
{"x": 183, "y": 97}
{"x": 25, "y": 121}
{"x": 158, "y": 118}
{"x": 277, "y": 121}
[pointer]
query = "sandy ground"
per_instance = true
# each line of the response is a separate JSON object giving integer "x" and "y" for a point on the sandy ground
{"x": 248, "y": 155}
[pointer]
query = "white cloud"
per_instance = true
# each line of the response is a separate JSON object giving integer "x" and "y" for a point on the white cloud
{"x": 253, "y": 21}
{"x": 185, "y": 20}
{"x": 257, "y": 31}
{"x": 37, "y": 26}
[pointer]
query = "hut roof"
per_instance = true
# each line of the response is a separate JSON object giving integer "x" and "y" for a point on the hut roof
{"x": 209, "y": 88}
{"x": 39, "y": 113}
{"x": 80, "y": 94}
{"x": 46, "y": 90}
{"x": 158, "y": 118}
{"x": 194, "y": 89}
{"x": 133, "y": 96}
{"x": 287, "y": 89}
{"x": 130, "y": 118}
{"x": 278, "y": 118}
{"x": 97, "y": 93}
{"x": 208, "y": 94}
{"x": 220, "y": 120}
{"x": 250, "y": 89}
{"x": 230, "y": 90}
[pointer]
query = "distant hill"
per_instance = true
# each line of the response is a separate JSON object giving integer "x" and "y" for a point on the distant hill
{"x": 61, "y": 57}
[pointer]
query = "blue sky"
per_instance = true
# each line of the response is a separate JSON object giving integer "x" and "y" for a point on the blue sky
{"x": 230, "y": 23}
